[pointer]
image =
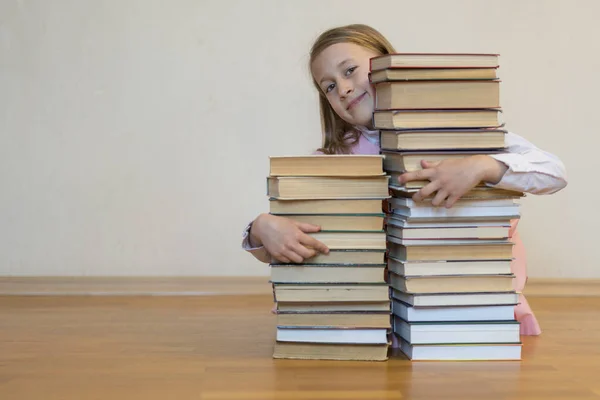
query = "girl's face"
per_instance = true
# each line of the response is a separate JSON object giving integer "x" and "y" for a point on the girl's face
{"x": 342, "y": 73}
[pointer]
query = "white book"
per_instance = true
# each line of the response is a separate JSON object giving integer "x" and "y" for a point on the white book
{"x": 395, "y": 227}
{"x": 460, "y": 203}
{"x": 456, "y": 332}
{"x": 466, "y": 352}
{"x": 445, "y": 242}
{"x": 458, "y": 212}
{"x": 456, "y": 299}
{"x": 400, "y": 221}
{"x": 356, "y": 336}
{"x": 457, "y": 313}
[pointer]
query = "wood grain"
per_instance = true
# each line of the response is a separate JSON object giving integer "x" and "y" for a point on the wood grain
{"x": 220, "y": 347}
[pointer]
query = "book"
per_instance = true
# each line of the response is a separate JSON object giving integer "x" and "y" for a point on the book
{"x": 470, "y": 212}
{"x": 325, "y": 207}
{"x": 408, "y": 161}
{"x": 455, "y": 250}
{"x": 456, "y": 299}
{"x": 455, "y": 284}
{"x": 332, "y": 335}
{"x": 304, "y": 273}
{"x": 375, "y": 240}
{"x": 330, "y": 293}
{"x": 408, "y": 74}
{"x": 346, "y": 257}
{"x": 462, "y": 352}
{"x": 341, "y": 222}
{"x": 445, "y": 268}
{"x": 437, "y": 94}
{"x": 457, "y": 313}
{"x": 338, "y": 320}
{"x": 326, "y": 165}
{"x": 398, "y": 226}
{"x": 478, "y": 192}
{"x": 434, "y": 60}
{"x": 437, "y": 119}
{"x": 299, "y": 188}
{"x": 322, "y": 351}
{"x": 308, "y": 307}
{"x": 443, "y": 139}
{"x": 457, "y": 332}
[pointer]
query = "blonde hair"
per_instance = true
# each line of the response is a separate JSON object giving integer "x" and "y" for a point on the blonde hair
{"x": 340, "y": 135}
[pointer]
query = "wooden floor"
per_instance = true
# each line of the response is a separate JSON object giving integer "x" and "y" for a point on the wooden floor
{"x": 219, "y": 347}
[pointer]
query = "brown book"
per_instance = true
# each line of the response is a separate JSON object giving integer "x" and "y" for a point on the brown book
{"x": 442, "y": 139}
{"x": 331, "y": 293}
{"x": 437, "y": 94}
{"x": 342, "y": 222}
{"x": 339, "y": 320}
{"x": 326, "y": 165}
{"x": 434, "y": 60}
{"x": 304, "y": 188}
{"x": 351, "y": 240}
{"x": 479, "y": 192}
{"x": 322, "y": 351}
{"x": 449, "y": 250}
{"x": 452, "y": 284}
{"x": 334, "y": 307}
{"x": 415, "y": 74}
{"x": 437, "y": 119}
{"x": 408, "y": 161}
{"x": 440, "y": 268}
{"x": 335, "y": 206}
{"x": 347, "y": 257}
{"x": 294, "y": 273}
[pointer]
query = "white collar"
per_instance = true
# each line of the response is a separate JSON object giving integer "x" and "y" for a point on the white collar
{"x": 371, "y": 135}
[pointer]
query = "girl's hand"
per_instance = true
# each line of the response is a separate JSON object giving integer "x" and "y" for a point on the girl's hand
{"x": 451, "y": 179}
{"x": 285, "y": 239}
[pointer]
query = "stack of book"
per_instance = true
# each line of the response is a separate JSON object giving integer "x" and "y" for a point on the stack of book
{"x": 449, "y": 268}
{"x": 336, "y": 305}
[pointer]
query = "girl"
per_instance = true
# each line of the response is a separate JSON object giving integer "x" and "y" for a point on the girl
{"x": 339, "y": 64}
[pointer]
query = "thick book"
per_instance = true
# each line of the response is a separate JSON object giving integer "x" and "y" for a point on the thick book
{"x": 410, "y": 313}
{"x": 303, "y": 188}
{"x": 443, "y": 139}
{"x": 437, "y": 94}
{"x": 457, "y": 284}
{"x": 417, "y": 74}
{"x": 437, "y": 119}
{"x": 294, "y": 273}
{"x": 457, "y": 332}
{"x": 326, "y": 165}
{"x": 434, "y": 60}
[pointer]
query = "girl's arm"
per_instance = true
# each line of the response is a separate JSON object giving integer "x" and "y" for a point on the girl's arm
{"x": 283, "y": 239}
{"x": 530, "y": 169}
{"x": 524, "y": 168}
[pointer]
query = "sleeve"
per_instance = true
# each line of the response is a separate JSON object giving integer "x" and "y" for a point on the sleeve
{"x": 530, "y": 169}
{"x": 259, "y": 252}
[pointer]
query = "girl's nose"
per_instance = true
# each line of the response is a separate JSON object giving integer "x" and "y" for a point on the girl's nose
{"x": 344, "y": 89}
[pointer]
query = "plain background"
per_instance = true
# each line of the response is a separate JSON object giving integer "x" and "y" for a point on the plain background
{"x": 135, "y": 135}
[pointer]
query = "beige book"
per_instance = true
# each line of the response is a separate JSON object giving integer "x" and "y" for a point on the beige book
{"x": 326, "y": 165}
{"x": 454, "y": 284}
{"x": 340, "y": 320}
{"x": 437, "y": 94}
{"x": 322, "y": 351}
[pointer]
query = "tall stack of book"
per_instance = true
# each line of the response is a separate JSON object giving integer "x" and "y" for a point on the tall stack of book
{"x": 332, "y": 306}
{"x": 452, "y": 286}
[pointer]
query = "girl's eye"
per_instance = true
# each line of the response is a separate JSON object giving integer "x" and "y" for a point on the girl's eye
{"x": 329, "y": 88}
{"x": 350, "y": 70}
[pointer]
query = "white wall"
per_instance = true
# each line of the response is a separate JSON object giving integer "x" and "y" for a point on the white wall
{"x": 135, "y": 135}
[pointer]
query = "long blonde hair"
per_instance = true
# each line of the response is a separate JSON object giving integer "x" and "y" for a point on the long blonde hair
{"x": 340, "y": 135}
